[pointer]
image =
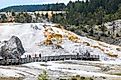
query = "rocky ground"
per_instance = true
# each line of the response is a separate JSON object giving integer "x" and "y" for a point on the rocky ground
{"x": 64, "y": 70}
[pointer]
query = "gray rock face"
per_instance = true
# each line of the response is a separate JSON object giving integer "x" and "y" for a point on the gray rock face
{"x": 12, "y": 48}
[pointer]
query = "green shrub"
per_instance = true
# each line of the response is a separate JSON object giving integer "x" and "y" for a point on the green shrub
{"x": 43, "y": 76}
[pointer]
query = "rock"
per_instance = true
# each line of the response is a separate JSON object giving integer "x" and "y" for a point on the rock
{"x": 12, "y": 48}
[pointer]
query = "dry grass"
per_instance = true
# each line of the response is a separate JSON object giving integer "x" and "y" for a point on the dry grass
{"x": 78, "y": 77}
{"x": 11, "y": 78}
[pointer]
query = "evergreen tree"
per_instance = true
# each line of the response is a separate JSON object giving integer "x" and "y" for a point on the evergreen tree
{"x": 3, "y": 18}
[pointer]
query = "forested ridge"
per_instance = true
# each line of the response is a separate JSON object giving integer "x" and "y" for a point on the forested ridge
{"x": 90, "y": 12}
{"x": 32, "y": 8}
{"x": 88, "y": 19}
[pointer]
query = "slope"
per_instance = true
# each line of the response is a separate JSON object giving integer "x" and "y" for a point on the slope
{"x": 33, "y": 38}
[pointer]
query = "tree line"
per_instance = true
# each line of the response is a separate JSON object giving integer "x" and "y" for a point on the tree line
{"x": 81, "y": 17}
{"x": 24, "y": 17}
{"x": 90, "y": 12}
{"x": 33, "y": 8}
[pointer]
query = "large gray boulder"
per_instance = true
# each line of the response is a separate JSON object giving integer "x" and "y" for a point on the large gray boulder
{"x": 12, "y": 48}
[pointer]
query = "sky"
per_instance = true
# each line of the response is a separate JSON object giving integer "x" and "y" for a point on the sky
{"x": 6, "y": 3}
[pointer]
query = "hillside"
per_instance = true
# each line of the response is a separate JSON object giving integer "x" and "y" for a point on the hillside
{"x": 50, "y": 40}
{"x": 36, "y": 39}
{"x": 32, "y": 8}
